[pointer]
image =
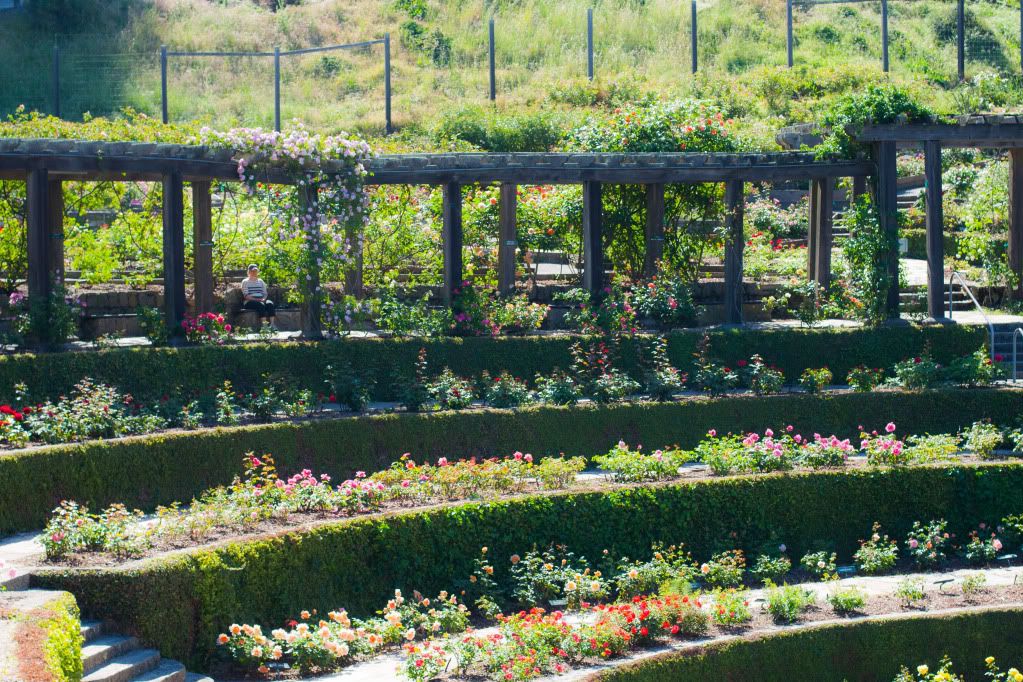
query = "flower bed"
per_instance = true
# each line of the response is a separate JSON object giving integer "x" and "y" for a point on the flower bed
{"x": 359, "y": 562}
{"x": 145, "y": 472}
{"x": 870, "y": 649}
{"x": 149, "y": 373}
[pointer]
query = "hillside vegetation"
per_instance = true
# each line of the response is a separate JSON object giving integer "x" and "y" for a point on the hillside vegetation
{"x": 439, "y": 47}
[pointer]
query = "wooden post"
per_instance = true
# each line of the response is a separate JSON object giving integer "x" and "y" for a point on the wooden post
{"x": 593, "y": 245}
{"x": 654, "y": 228}
{"x": 1016, "y": 221}
{"x": 507, "y": 243}
{"x": 887, "y": 197}
{"x": 859, "y": 187}
{"x": 452, "y": 240}
{"x": 734, "y": 243}
{"x": 312, "y": 324}
{"x": 813, "y": 233}
{"x": 353, "y": 275}
{"x": 55, "y": 196}
{"x": 202, "y": 246}
{"x": 823, "y": 218}
{"x": 174, "y": 251}
{"x": 38, "y": 238}
{"x": 935, "y": 238}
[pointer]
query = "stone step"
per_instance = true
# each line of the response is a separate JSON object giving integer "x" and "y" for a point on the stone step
{"x": 196, "y": 677}
{"x": 91, "y": 629}
{"x": 167, "y": 671}
{"x": 105, "y": 647}
{"x": 126, "y": 667}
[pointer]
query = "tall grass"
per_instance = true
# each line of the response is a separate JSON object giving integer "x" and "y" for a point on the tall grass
{"x": 541, "y": 47}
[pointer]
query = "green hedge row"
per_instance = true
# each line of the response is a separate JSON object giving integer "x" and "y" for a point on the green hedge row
{"x": 916, "y": 238}
{"x": 180, "y": 603}
{"x": 45, "y": 642}
{"x": 147, "y": 372}
{"x": 858, "y": 651}
{"x": 144, "y": 472}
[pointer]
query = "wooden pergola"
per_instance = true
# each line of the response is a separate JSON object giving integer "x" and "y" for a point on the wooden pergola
{"x": 1000, "y": 132}
{"x": 45, "y": 164}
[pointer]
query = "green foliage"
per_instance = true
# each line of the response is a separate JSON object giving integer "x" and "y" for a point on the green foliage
{"x": 814, "y": 380}
{"x": 496, "y": 132}
{"x": 877, "y": 103}
{"x": 866, "y": 253}
{"x": 822, "y": 565}
{"x": 878, "y": 554}
{"x": 982, "y": 438}
{"x": 848, "y": 600}
{"x": 787, "y": 603}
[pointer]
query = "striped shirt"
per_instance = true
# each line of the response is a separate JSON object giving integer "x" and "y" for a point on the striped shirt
{"x": 254, "y": 289}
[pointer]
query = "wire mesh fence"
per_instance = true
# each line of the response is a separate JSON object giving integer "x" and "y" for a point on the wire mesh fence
{"x": 941, "y": 40}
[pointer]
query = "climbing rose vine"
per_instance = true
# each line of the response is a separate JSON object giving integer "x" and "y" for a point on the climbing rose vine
{"x": 317, "y": 221}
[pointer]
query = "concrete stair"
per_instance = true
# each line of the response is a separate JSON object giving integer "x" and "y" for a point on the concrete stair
{"x": 914, "y": 299}
{"x": 1001, "y": 345}
{"x": 108, "y": 657}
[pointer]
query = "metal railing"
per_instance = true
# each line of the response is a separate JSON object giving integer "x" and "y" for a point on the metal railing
{"x": 956, "y": 275}
{"x": 1016, "y": 334}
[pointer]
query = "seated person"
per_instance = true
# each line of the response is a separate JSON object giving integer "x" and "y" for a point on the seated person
{"x": 254, "y": 296}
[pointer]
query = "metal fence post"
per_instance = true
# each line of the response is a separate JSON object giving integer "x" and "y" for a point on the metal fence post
{"x": 56, "y": 81}
{"x": 788, "y": 30}
{"x": 961, "y": 38}
{"x": 692, "y": 38}
{"x": 163, "y": 84}
{"x": 589, "y": 43}
{"x": 493, "y": 67}
{"x": 388, "y": 128}
{"x": 277, "y": 89}
{"x": 884, "y": 35}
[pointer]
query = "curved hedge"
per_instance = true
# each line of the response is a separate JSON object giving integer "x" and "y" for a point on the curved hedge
{"x": 858, "y": 651}
{"x": 144, "y": 472}
{"x": 44, "y": 640}
{"x": 154, "y": 371}
{"x": 181, "y": 602}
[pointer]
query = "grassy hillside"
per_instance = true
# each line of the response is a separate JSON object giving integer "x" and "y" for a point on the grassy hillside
{"x": 439, "y": 56}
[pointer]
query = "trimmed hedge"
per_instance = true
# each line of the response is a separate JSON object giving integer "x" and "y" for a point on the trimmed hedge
{"x": 147, "y": 471}
{"x": 858, "y": 651}
{"x": 47, "y": 639}
{"x": 181, "y": 602}
{"x": 149, "y": 372}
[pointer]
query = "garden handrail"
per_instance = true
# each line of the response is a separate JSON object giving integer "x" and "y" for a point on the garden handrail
{"x": 962, "y": 282}
{"x": 1016, "y": 335}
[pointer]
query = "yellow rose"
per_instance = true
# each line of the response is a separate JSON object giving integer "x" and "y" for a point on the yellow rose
{"x": 922, "y": 669}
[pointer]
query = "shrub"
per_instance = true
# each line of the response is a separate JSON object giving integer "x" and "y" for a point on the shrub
{"x": 625, "y": 464}
{"x": 451, "y": 392}
{"x": 710, "y": 376}
{"x": 973, "y": 584}
{"x": 557, "y": 389}
{"x": 762, "y": 378}
{"x": 207, "y": 329}
{"x": 663, "y": 380}
{"x": 847, "y": 600}
{"x": 815, "y": 380}
{"x": 878, "y": 554}
{"x": 975, "y": 369}
{"x": 983, "y": 546}
{"x": 917, "y": 373}
{"x": 821, "y": 565}
{"x": 768, "y": 568}
{"x": 982, "y": 438}
{"x": 730, "y": 608}
{"x": 668, "y": 299}
{"x": 613, "y": 386}
{"x": 927, "y": 544}
{"x": 910, "y": 591}
{"x": 786, "y": 604}
{"x": 505, "y": 391}
{"x": 725, "y": 569}
{"x": 348, "y": 388}
{"x": 863, "y": 379}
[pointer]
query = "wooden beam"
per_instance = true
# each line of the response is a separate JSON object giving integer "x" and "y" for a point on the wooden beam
{"x": 823, "y": 216}
{"x": 935, "y": 222}
{"x": 593, "y": 235}
{"x": 174, "y": 252}
{"x": 1016, "y": 221}
{"x": 451, "y": 238}
{"x": 55, "y": 194}
{"x": 507, "y": 240}
{"x": 888, "y": 213}
{"x": 353, "y": 274}
{"x": 202, "y": 246}
{"x": 859, "y": 187}
{"x": 734, "y": 242}
{"x": 654, "y": 228}
{"x": 312, "y": 322}
{"x": 951, "y": 135}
